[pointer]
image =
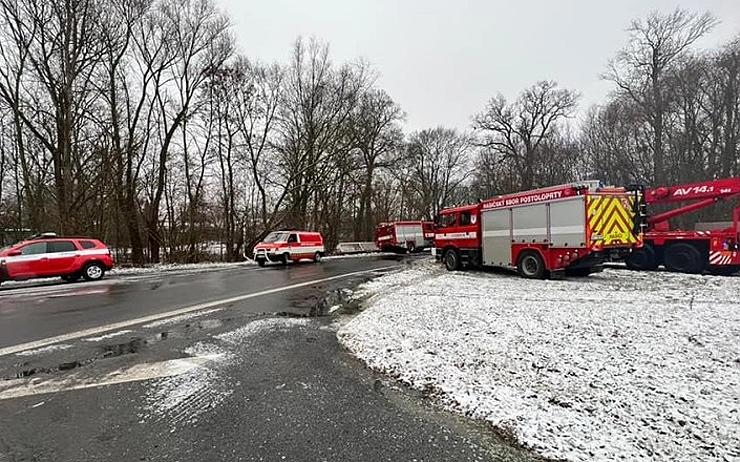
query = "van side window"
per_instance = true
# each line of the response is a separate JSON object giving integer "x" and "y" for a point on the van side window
{"x": 445, "y": 221}
{"x": 293, "y": 239}
{"x": 464, "y": 218}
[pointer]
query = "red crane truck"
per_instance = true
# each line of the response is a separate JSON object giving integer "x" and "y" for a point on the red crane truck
{"x": 543, "y": 232}
{"x": 404, "y": 236}
{"x": 683, "y": 251}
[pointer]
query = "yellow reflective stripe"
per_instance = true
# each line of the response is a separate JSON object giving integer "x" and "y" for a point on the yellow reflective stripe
{"x": 610, "y": 219}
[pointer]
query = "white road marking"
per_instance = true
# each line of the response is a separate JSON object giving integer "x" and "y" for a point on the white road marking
{"x": 46, "y": 349}
{"x": 14, "y": 349}
{"x": 18, "y": 388}
{"x": 107, "y": 336}
{"x": 79, "y": 292}
{"x": 177, "y": 319}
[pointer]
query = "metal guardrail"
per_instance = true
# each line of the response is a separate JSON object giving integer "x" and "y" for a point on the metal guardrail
{"x": 355, "y": 247}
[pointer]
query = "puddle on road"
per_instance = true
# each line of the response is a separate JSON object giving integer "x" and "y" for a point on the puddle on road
{"x": 65, "y": 366}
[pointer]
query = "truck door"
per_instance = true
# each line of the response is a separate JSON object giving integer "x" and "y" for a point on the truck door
{"x": 496, "y": 229}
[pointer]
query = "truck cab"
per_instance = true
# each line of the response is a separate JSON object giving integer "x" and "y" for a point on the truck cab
{"x": 457, "y": 236}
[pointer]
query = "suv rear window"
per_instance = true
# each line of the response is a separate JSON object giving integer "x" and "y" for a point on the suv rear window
{"x": 88, "y": 244}
{"x": 61, "y": 246}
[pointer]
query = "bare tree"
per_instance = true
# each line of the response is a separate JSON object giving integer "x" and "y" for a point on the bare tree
{"x": 201, "y": 44}
{"x": 319, "y": 100}
{"x": 377, "y": 135}
{"x": 438, "y": 162}
{"x": 56, "y": 52}
{"x": 258, "y": 105}
{"x": 640, "y": 70}
{"x": 518, "y": 131}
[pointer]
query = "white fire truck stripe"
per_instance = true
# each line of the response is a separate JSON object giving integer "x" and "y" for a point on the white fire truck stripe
{"x": 54, "y": 255}
{"x": 497, "y": 233}
{"x": 469, "y": 235}
{"x": 155, "y": 317}
{"x": 576, "y": 229}
{"x": 294, "y": 250}
{"x": 384, "y": 238}
{"x": 536, "y": 231}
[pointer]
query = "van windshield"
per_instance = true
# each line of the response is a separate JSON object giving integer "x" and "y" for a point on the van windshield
{"x": 276, "y": 237}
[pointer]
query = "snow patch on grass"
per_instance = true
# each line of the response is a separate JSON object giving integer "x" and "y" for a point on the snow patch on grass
{"x": 177, "y": 267}
{"x": 621, "y": 365}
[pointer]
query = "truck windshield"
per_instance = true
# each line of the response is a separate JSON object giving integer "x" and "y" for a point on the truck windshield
{"x": 276, "y": 237}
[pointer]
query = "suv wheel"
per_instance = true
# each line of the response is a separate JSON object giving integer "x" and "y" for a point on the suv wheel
{"x": 317, "y": 257}
{"x": 93, "y": 271}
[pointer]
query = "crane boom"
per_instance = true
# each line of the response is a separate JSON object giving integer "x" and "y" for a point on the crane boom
{"x": 701, "y": 194}
{"x": 688, "y": 251}
{"x": 714, "y": 189}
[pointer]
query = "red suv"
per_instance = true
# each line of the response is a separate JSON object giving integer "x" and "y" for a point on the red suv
{"x": 50, "y": 256}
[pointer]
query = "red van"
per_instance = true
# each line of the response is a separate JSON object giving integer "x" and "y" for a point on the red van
{"x": 284, "y": 246}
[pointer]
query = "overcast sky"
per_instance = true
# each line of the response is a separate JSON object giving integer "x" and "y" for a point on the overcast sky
{"x": 442, "y": 60}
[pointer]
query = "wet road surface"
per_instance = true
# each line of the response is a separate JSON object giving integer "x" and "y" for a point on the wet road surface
{"x": 29, "y": 314}
{"x": 262, "y": 378}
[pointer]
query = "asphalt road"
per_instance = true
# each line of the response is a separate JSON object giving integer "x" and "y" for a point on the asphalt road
{"x": 258, "y": 378}
{"x": 33, "y": 313}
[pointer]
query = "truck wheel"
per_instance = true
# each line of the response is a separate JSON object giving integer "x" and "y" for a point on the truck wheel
{"x": 93, "y": 271}
{"x": 531, "y": 265}
{"x": 317, "y": 257}
{"x": 683, "y": 258}
{"x": 261, "y": 262}
{"x": 642, "y": 259}
{"x": 411, "y": 247}
{"x": 452, "y": 260}
{"x": 284, "y": 259}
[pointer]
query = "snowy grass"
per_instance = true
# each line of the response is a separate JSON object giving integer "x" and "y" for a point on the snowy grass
{"x": 176, "y": 267}
{"x": 618, "y": 366}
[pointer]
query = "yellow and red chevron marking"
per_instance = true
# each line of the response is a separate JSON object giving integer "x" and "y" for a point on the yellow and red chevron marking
{"x": 611, "y": 220}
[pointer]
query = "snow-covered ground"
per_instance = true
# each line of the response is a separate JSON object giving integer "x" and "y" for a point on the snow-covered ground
{"x": 617, "y": 366}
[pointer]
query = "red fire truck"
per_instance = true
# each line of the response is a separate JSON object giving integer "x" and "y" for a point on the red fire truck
{"x": 714, "y": 249}
{"x": 543, "y": 232}
{"x": 404, "y": 236}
